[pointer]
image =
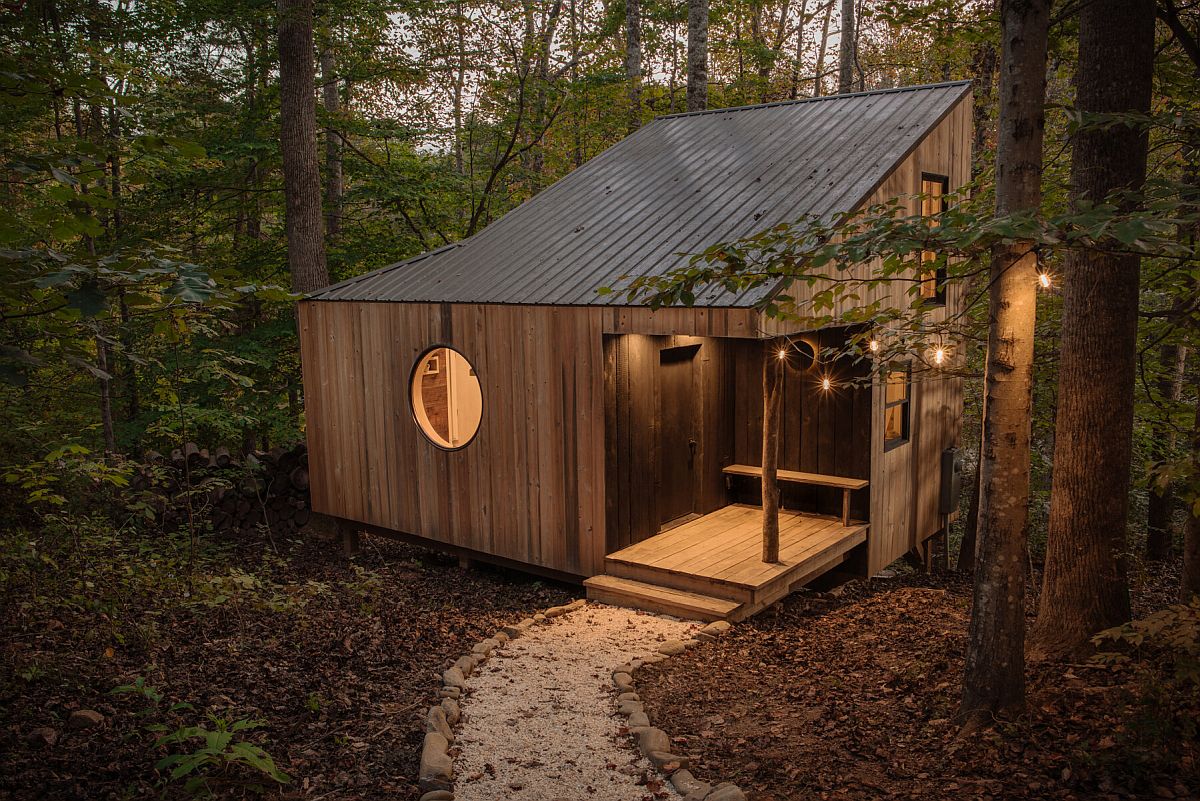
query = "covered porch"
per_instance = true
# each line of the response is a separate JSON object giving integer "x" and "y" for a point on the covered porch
{"x": 711, "y": 567}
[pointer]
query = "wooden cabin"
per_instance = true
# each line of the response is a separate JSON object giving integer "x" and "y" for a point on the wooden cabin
{"x": 485, "y": 397}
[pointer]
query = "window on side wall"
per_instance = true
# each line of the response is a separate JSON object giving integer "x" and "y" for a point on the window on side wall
{"x": 896, "y": 402}
{"x": 934, "y": 189}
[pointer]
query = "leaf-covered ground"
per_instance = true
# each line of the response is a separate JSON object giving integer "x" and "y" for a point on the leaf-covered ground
{"x": 852, "y": 698}
{"x": 340, "y": 662}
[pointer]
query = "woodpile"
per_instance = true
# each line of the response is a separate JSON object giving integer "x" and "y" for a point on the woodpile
{"x": 224, "y": 493}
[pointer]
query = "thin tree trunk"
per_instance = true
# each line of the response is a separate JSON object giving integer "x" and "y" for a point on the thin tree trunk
{"x": 298, "y": 144}
{"x": 966, "y": 550}
{"x": 819, "y": 74}
{"x": 333, "y": 144}
{"x": 697, "y": 55}
{"x": 846, "y": 42}
{"x": 1085, "y": 588}
{"x": 633, "y": 62}
{"x": 1189, "y": 584}
{"x": 798, "y": 61}
{"x": 1160, "y": 504}
{"x": 772, "y": 400}
{"x": 994, "y": 677}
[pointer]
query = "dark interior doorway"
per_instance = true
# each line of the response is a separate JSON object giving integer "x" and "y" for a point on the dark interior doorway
{"x": 678, "y": 438}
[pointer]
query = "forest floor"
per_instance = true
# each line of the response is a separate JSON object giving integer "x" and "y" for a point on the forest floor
{"x": 852, "y": 697}
{"x": 822, "y": 697}
{"x": 340, "y": 663}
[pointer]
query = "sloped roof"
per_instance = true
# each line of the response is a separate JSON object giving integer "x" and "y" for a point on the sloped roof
{"x": 675, "y": 187}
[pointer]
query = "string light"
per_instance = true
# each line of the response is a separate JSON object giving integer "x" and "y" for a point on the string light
{"x": 826, "y": 384}
{"x": 874, "y": 345}
{"x": 1044, "y": 280}
{"x": 782, "y": 354}
{"x": 939, "y": 355}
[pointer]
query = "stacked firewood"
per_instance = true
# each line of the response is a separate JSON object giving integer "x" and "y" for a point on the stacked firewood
{"x": 228, "y": 494}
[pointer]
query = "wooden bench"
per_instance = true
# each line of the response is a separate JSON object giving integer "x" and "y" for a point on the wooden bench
{"x": 846, "y": 485}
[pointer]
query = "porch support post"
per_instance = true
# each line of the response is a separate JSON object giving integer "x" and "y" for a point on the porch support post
{"x": 772, "y": 400}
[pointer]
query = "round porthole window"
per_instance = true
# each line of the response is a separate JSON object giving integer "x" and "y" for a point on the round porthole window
{"x": 446, "y": 399}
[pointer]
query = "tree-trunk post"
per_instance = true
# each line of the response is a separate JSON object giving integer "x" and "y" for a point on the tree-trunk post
{"x": 1084, "y": 587}
{"x": 994, "y": 675}
{"x": 772, "y": 401}
{"x": 298, "y": 145}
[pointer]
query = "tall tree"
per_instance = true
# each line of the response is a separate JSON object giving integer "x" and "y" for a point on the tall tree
{"x": 846, "y": 41}
{"x": 1085, "y": 587}
{"x": 333, "y": 142}
{"x": 298, "y": 144}
{"x": 633, "y": 62}
{"x": 822, "y": 47}
{"x": 697, "y": 55}
{"x": 994, "y": 679}
{"x": 1161, "y": 503}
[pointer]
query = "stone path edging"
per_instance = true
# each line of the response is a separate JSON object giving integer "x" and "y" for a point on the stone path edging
{"x": 655, "y": 743}
{"x": 436, "y": 771}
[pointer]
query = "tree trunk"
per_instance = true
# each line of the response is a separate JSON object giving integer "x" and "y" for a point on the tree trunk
{"x": 697, "y": 55}
{"x": 772, "y": 400}
{"x": 1189, "y": 584}
{"x": 798, "y": 60}
{"x": 819, "y": 71}
{"x": 333, "y": 143}
{"x": 298, "y": 144}
{"x": 846, "y": 42}
{"x": 966, "y": 549}
{"x": 1085, "y": 588}
{"x": 994, "y": 677}
{"x": 1160, "y": 503}
{"x": 633, "y": 62}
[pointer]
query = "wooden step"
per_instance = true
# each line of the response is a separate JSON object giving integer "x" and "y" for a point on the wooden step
{"x": 677, "y": 580}
{"x": 654, "y": 598}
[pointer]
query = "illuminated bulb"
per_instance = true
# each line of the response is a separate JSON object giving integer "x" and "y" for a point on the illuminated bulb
{"x": 874, "y": 345}
{"x": 826, "y": 384}
{"x": 1044, "y": 280}
{"x": 939, "y": 355}
{"x": 782, "y": 353}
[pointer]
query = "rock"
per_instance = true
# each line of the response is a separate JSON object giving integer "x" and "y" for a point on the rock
{"x": 437, "y": 768}
{"x": 512, "y": 632}
{"x": 652, "y": 659}
{"x": 637, "y": 720}
{"x": 692, "y": 643}
{"x": 699, "y": 794}
{"x": 84, "y": 719}
{"x": 43, "y": 737}
{"x": 702, "y": 637}
{"x": 685, "y": 782}
{"x": 716, "y": 628}
{"x": 539, "y": 618}
{"x": 484, "y": 648}
{"x": 627, "y": 708}
{"x": 466, "y": 664}
{"x": 500, "y": 637}
{"x": 436, "y": 722}
{"x": 726, "y": 792}
{"x": 438, "y": 795}
{"x": 667, "y": 762}
{"x": 556, "y": 611}
{"x": 578, "y": 603}
{"x": 672, "y": 648}
{"x": 624, "y": 682}
{"x": 629, "y": 667}
{"x": 450, "y": 692}
{"x": 628, "y": 697}
{"x": 652, "y": 739}
{"x": 453, "y": 677}
{"x": 453, "y": 713}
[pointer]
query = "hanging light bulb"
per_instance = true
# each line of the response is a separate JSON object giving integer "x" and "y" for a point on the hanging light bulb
{"x": 782, "y": 354}
{"x": 1044, "y": 280}
{"x": 874, "y": 345}
{"x": 939, "y": 355}
{"x": 826, "y": 384}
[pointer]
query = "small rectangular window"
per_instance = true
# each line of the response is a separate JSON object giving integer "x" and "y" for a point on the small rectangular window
{"x": 934, "y": 189}
{"x": 896, "y": 398}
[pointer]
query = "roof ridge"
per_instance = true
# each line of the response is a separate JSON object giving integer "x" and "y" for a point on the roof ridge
{"x": 801, "y": 100}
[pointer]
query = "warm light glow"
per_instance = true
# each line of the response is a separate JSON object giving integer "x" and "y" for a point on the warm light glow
{"x": 874, "y": 345}
{"x": 826, "y": 384}
{"x": 939, "y": 355}
{"x": 1044, "y": 280}
{"x": 782, "y": 353}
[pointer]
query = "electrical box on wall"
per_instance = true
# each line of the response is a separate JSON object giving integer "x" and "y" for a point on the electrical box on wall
{"x": 952, "y": 479}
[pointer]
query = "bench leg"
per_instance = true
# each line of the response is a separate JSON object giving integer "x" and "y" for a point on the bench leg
{"x": 845, "y": 507}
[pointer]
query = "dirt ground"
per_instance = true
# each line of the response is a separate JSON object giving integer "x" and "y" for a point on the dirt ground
{"x": 341, "y": 671}
{"x": 852, "y": 697}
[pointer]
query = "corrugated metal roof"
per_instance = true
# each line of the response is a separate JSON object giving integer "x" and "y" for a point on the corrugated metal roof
{"x": 677, "y": 186}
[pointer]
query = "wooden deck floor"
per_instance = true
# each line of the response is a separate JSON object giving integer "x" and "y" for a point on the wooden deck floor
{"x": 719, "y": 557}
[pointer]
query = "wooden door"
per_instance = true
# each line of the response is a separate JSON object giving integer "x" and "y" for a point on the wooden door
{"x": 678, "y": 434}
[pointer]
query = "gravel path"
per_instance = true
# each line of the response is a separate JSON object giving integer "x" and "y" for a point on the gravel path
{"x": 539, "y": 722}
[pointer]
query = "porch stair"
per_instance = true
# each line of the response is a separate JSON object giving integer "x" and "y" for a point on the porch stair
{"x": 711, "y": 568}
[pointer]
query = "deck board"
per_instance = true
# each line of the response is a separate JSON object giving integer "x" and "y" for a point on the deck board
{"x": 726, "y": 545}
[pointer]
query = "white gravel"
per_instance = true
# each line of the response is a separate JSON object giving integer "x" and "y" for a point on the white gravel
{"x": 539, "y": 721}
